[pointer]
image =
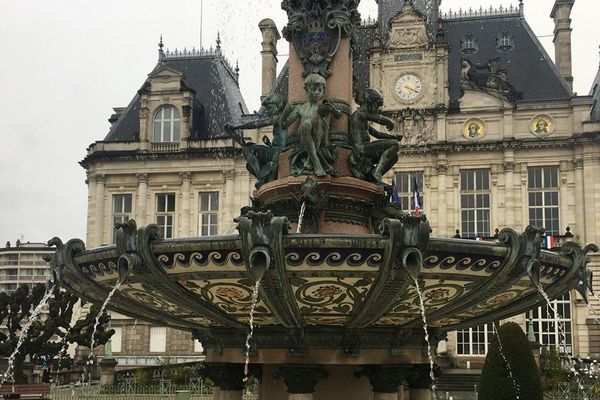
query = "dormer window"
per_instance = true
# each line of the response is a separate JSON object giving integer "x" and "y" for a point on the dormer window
{"x": 504, "y": 42}
{"x": 167, "y": 124}
{"x": 469, "y": 44}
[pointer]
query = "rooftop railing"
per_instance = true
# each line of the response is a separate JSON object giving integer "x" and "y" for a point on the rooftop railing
{"x": 483, "y": 12}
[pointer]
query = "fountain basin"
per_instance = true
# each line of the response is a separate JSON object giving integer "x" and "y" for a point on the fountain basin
{"x": 321, "y": 290}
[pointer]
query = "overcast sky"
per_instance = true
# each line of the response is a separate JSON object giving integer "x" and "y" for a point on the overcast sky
{"x": 65, "y": 63}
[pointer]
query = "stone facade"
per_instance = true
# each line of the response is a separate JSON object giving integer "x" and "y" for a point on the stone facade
{"x": 484, "y": 130}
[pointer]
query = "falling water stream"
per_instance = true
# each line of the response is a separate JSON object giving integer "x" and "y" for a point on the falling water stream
{"x": 96, "y": 324}
{"x": 131, "y": 336}
{"x": 8, "y": 374}
{"x": 301, "y": 217}
{"x": 508, "y": 367}
{"x": 429, "y": 355}
{"x": 251, "y": 333}
{"x": 563, "y": 336}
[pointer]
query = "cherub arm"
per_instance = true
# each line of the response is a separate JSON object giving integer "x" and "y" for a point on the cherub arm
{"x": 254, "y": 124}
{"x": 289, "y": 115}
{"x": 382, "y": 135}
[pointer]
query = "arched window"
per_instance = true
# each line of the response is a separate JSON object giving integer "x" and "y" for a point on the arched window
{"x": 166, "y": 124}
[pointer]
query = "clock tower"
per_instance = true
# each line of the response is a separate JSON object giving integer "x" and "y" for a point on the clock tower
{"x": 408, "y": 67}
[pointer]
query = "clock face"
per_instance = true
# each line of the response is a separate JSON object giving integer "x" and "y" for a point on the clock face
{"x": 408, "y": 88}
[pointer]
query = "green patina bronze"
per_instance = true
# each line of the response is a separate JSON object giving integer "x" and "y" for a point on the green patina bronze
{"x": 262, "y": 160}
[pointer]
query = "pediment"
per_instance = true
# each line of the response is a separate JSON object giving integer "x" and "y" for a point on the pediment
{"x": 479, "y": 100}
{"x": 408, "y": 29}
{"x": 165, "y": 72}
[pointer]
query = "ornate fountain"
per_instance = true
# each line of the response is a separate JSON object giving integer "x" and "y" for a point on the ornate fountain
{"x": 337, "y": 265}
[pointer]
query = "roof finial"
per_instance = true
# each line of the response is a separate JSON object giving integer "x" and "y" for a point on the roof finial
{"x": 161, "y": 53}
{"x": 218, "y": 42}
{"x": 237, "y": 71}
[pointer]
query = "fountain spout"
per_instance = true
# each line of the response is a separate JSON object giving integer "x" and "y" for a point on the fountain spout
{"x": 260, "y": 260}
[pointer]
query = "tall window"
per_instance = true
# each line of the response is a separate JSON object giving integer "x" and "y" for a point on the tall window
{"x": 543, "y": 198}
{"x": 166, "y": 124}
{"x": 406, "y": 190}
{"x": 474, "y": 341}
{"x": 475, "y": 202}
{"x": 554, "y": 330}
{"x": 121, "y": 209}
{"x": 165, "y": 213}
{"x": 116, "y": 339}
{"x": 158, "y": 339}
{"x": 207, "y": 217}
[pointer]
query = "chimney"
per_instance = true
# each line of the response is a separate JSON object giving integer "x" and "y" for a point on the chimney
{"x": 270, "y": 36}
{"x": 561, "y": 13}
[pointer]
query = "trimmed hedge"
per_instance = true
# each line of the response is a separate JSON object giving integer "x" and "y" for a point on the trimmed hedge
{"x": 496, "y": 383}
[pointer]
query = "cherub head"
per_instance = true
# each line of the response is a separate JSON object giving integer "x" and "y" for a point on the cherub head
{"x": 371, "y": 100}
{"x": 314, "y": 84}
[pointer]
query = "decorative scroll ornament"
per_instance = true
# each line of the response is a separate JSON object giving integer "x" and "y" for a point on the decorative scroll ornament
{"x": 316, "y": 27}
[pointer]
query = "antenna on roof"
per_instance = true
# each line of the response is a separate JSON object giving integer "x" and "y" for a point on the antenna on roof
{"x": 201, "y": 17}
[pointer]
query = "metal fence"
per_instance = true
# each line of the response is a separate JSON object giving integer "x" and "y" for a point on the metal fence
{"x": 165, "y": 390}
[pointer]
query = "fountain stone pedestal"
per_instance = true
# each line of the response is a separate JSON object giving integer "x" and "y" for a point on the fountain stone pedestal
{"x": 107, "y": 371}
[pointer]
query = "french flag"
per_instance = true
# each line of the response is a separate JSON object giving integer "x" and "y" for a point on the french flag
{"x": 550, "y": 242}
{"x": 417, "y": 198}
{"x": 395, "y": 197}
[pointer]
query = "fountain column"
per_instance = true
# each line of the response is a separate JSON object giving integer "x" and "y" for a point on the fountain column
{"x": 419, "y": 383}
{"x": 186, "y": 183}
{"x": 386, "y": 380}
{"x": 230, "y": 380}
{"x": 301, "y": 380}
{"x": 142, "y": 193}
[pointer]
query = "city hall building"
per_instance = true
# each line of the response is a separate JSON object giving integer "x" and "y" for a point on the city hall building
{"x": 492, "y": 133}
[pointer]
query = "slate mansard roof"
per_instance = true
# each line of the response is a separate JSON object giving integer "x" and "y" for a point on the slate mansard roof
{"x": 218, "y": 99}
{"x": 530, "y": 69}
{"x": 595, "y": 93}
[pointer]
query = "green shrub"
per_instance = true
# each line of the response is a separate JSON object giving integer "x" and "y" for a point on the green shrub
{"x": 142, "y": 377}
{"x": 553, "y": 371}
{"x": 496, "y": 382}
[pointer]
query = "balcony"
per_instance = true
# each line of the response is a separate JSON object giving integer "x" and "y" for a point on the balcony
{"x": 164, "y": 147}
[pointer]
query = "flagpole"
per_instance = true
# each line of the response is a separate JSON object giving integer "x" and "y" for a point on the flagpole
{"x": 201, "y": 17}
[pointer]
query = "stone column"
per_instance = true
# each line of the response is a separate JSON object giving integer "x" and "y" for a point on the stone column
{"x": 579, "y": 200}
{"x": 230, "y": 380}
{"x": 229, "y": 205}
{"x": 442, "y": 169}
{"x": 186, "y": 183}
{"x": 419, "y": 382}
{"x": 99, "y": 209}
{"x": 91, "y": 211}
{"x": 509, "y": 187}
{"x": 301, "y": 380}
{"x": 386, "y": 380}
{"x": 142, "y": 194}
